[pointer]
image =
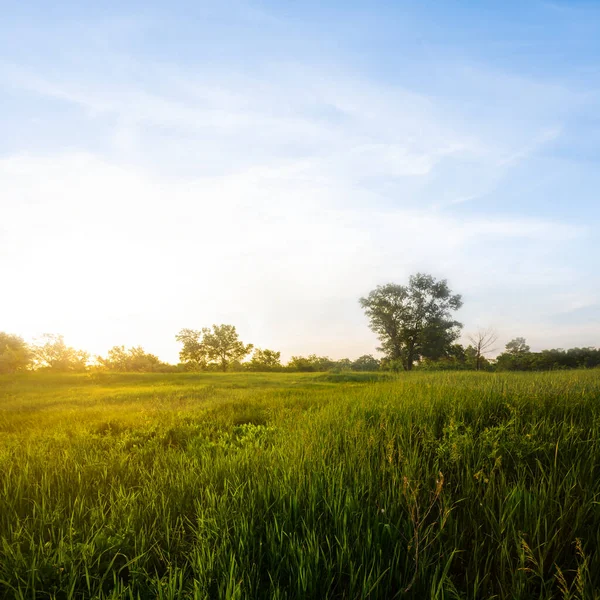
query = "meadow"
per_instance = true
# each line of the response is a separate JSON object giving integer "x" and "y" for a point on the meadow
{"x": 282, "y": 485}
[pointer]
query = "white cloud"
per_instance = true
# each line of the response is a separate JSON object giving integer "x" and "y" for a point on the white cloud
{"x": 339, "y": 126}
{"x": 271, "y": 202}
{"x": 143, "y": 255}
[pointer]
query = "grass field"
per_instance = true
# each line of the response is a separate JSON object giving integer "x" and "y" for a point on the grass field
{"x": 422, "y": 485}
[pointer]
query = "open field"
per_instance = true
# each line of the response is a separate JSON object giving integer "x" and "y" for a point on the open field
{"x": 300, "y": 486}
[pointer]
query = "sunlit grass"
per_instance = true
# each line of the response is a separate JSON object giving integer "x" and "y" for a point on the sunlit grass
{"x": 300, "y": 486}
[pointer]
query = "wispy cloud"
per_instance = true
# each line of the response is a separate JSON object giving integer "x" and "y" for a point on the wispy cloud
{"x": 225, "y": 248}
{"x": 272, "y": 198}
{"x": 529, "y": 148}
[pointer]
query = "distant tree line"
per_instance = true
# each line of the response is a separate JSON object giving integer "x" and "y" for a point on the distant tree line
{"x": 414, "y": 323}
{"x": 518, "y": 357}
{"x": 209, "y": 349}
{"x": 219, "y": 348}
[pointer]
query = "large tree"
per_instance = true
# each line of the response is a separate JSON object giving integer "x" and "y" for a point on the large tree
{"x": 219, "y": 345}
{"x": 413, "y": 321}
{"x": 15, "y": 354}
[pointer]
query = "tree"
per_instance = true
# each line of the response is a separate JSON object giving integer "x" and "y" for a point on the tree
{"x": 321, "y": 363}
{"x": 133, "y": 360}
{"x": 413, "y": 321}
{"x": 55, "y": 355}
{"x": 455, "y": 358}
{"x": 15, "y": 354}
{"x": 366, "y": 362}
{"x": 482, "y": 341}
{"x": 193, "y": 353}
{"x": 302, "y": 364}
{"x": 265, "y": 360}
{"x": 310, "y": 363}
{"x": 391, "y": 364}
{"x": 217, "y": 346}
{"x": 517, "y": 347}
{"x": 223, "y": 345}
{"x": 343, "y": 364}
{"x": 516, "y": 357}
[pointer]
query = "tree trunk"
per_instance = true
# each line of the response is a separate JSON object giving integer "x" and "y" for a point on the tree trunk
{"x": 410, "y": 357}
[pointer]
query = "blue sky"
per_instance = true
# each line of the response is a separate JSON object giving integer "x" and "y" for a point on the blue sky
{"x": 266, "y": 163}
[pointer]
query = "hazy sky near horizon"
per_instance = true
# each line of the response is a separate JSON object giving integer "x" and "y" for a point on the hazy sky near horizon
{"x": 265, "y": 164}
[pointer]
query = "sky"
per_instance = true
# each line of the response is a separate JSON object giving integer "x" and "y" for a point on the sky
{"x": 266, "y": 164}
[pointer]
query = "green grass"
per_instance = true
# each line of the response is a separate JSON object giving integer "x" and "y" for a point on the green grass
{"x": 441, "y": 485}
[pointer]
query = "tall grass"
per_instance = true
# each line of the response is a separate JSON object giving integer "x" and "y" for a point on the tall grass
{"x": 300, "y": 486}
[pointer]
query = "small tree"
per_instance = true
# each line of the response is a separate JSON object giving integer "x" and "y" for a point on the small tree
{"x": 482, "y": 341}
{"x": 265, "y": 360}
{"x": 193, "y": 353}
{"x": 134, "y": 360}
{"x": 321, "y": 363}
{"x": 218, "y": 346}
{"x": 343, "y": 364}
{"x": 55, "y": 355}
{"x": 310, "y": 363}
{"x": 366, "y": 362}
{"x": 391, "y": 364}
{"x": 302, "y": 364}
{"x": 516, "y": 357}
{"x": 518, "y": 347}
{"x": 15, "y": 354}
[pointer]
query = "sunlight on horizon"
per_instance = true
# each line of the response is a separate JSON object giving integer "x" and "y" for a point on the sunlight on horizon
{"x": 146, "y": 189}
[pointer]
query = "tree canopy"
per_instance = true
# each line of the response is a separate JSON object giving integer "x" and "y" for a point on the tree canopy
{"x": 366, "y": 362}
{"x": 133, "y": 360}
{"x": 311, "y": 363}
{"x": 53, "y": 354}
{"x": 265, "y": 360}
{"x": 413, "y": 321}
{"x": 219, "y": 346}
{"x": 15, "y": 354}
